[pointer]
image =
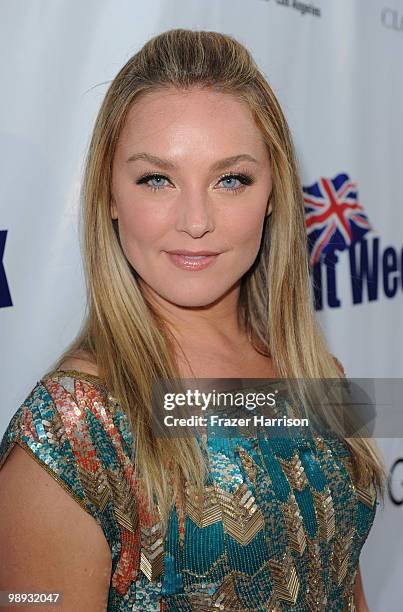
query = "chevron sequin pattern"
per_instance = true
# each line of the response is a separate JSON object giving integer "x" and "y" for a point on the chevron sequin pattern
{"x": 278, "y": 527}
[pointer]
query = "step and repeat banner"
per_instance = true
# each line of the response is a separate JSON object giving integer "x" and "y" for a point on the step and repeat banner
{"x": 337, "y": 70}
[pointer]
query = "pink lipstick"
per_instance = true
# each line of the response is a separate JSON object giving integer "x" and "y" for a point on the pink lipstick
{"x": 192, "y": 260}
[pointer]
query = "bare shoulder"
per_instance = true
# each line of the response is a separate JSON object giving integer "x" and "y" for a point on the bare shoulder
{"x": 42, "y": 530}
{"x": 81, "y": 362}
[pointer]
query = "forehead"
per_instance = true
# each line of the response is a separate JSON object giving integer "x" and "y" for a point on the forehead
{"x": 169, "y": 118}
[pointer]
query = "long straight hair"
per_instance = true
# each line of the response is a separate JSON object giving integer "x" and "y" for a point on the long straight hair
{"x": 123, "y": 334}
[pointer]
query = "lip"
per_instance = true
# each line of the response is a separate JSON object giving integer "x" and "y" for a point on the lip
{"x": 183, "y": 260}
{"x": 190, "y": 253}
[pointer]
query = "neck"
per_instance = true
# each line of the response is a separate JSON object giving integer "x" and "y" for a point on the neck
{"x": 217, "y": 322}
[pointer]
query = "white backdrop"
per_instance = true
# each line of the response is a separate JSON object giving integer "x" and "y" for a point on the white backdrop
{"x": 336, "y": 68}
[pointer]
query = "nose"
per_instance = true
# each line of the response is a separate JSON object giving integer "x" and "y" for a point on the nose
{"x": 195, "y": 215}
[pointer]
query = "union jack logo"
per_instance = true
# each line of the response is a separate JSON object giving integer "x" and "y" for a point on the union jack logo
{"x": 334, "y": 218}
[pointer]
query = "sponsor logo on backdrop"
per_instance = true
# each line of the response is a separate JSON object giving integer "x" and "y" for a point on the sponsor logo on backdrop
{"x": 303, "y": 8}
{"x": 5, "y": 297}
{"x": 392, "y": 19}
{"x": 395, "y": 482}
{"x": 336, "y": 222}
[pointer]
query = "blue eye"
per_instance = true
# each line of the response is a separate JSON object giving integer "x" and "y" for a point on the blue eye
{"x": 230, "y": 178}
{"x": 242, "y": 178}
{"x": 152, "y": 177}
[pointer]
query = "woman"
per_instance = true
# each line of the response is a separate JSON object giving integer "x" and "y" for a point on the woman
{"x": 187, "y": 124}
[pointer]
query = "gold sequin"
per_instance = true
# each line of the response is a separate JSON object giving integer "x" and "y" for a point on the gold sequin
{"x": 242, "y": 519}
{"x": 340, "y": 555}
{"x": 152, "y": 551}
{"x": 294, "y": 470}
{"x": 294, "y": 522}
{"x": 203, "y": 508}
{"x": 248, "y": 463}
{"x": 285, "y": 578}
{"x": 366, "y": 494}
{"x": 226, "y": 598}
{"x": 316, "y": 599}
{"x": 324, "y": 514}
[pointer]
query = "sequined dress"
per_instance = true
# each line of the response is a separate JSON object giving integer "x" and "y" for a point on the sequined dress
{"x": 279, "y": 528}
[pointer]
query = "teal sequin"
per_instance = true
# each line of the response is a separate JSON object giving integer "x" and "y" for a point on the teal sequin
{"x": 284, "y": 538}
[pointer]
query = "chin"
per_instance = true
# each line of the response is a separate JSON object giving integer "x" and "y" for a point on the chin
{"x": 193, "y": 297}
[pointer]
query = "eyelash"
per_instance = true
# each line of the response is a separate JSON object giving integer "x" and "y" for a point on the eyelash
{"x": 245, "y": 180}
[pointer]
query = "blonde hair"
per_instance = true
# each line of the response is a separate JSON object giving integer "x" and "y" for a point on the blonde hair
{"x": 123, "y": 334}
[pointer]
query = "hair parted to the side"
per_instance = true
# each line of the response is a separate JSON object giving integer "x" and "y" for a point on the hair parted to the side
{"x": 123, "y": 334}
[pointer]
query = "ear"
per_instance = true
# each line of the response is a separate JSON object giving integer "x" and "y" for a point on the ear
{"x": 114, "y": 210}
{"x": 269, "y": 209}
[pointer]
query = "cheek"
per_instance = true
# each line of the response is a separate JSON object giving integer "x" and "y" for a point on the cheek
{"x": 244, "y": 230}
{"x": 141, "y": 224}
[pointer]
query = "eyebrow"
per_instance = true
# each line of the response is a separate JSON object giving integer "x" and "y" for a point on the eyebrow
{"x": 169, "y": 165}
